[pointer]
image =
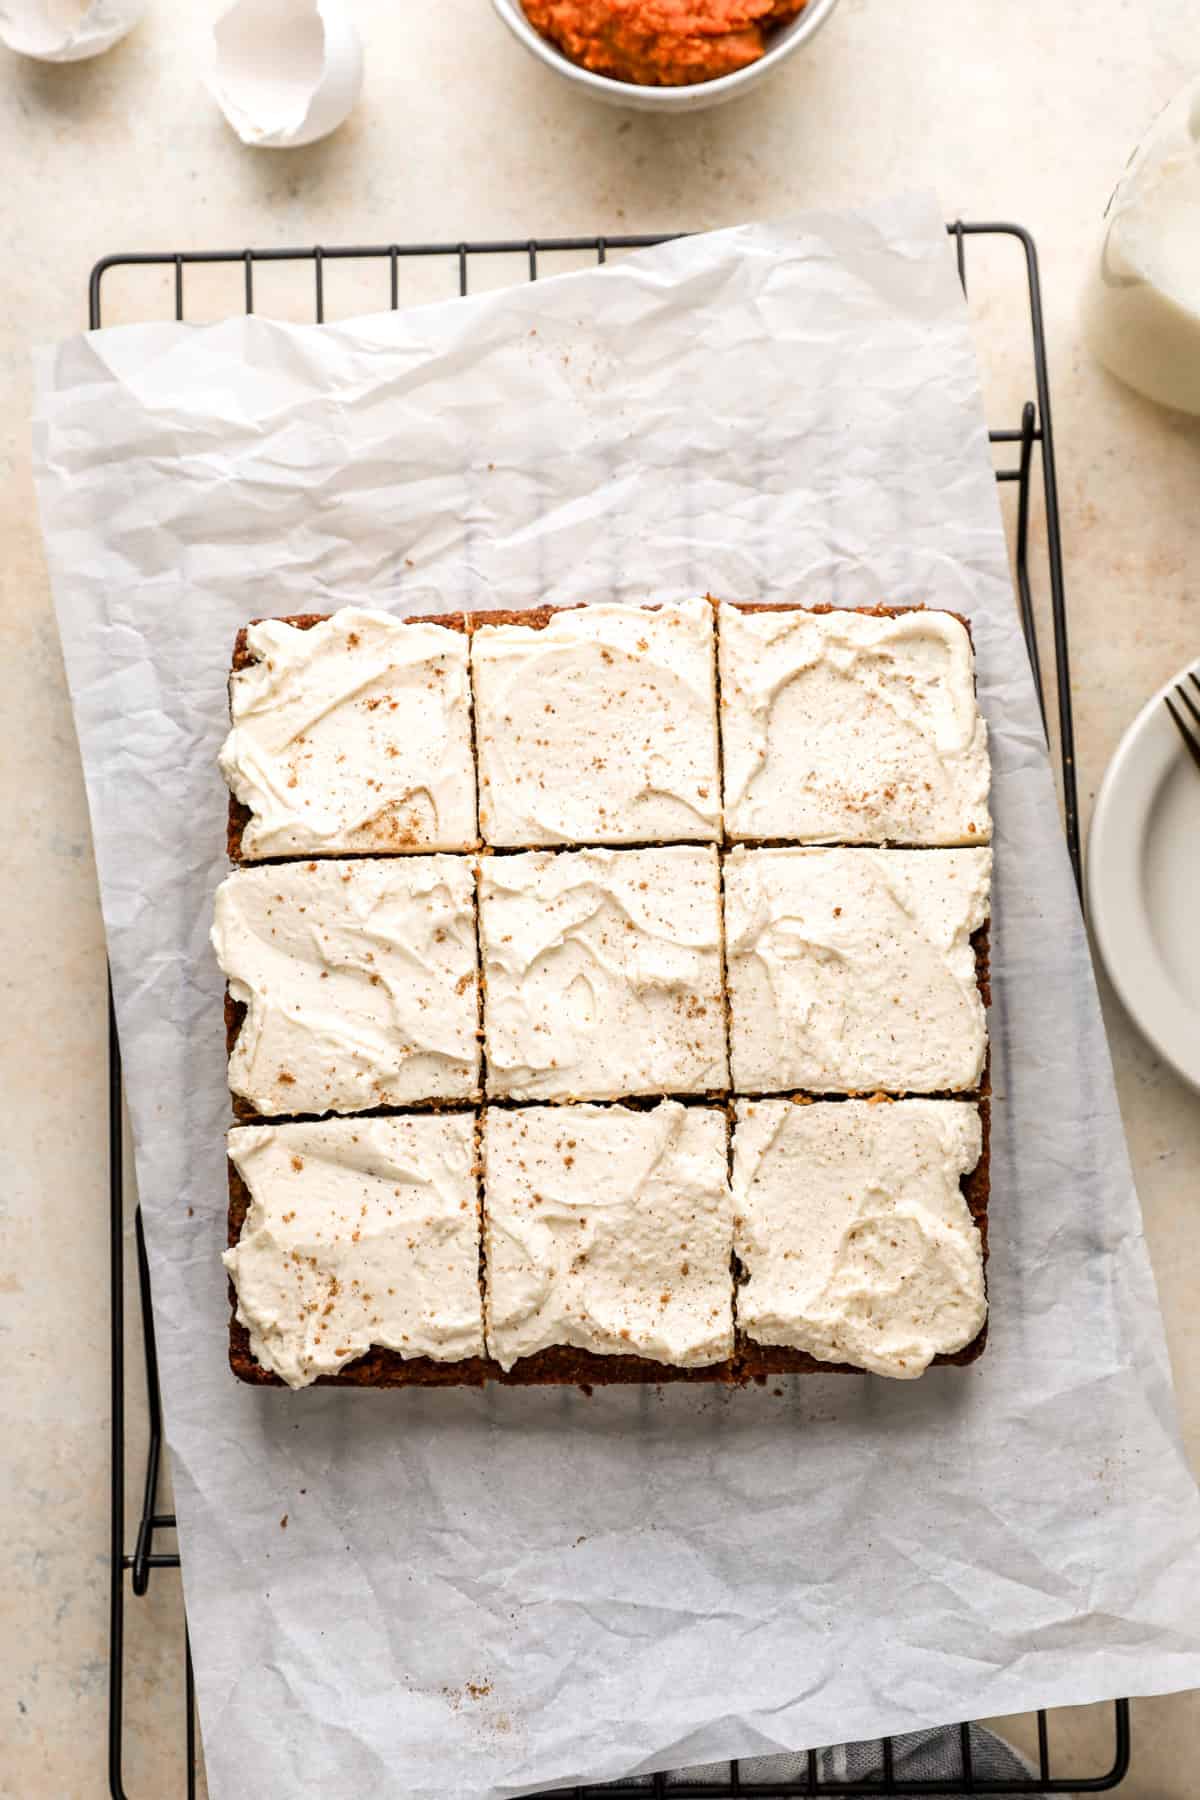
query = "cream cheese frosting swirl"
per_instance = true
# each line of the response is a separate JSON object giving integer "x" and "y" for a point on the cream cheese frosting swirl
{"x": 854, "y": 970}
{"x": 852, "y": 1230}
{"x": 849, "y": 727}
{"x": 609, "y": 1230}
{"x": 354, "y": 734}
{"x": 600, "y": 727}
{"x": 359, "y": 982}
{"x": 602, "y": 973}
{"x": 359, "y": 1232}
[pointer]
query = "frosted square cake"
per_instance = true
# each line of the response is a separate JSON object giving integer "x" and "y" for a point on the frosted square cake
{"x": 532, "y": 1110}
{"x": 597, "y": 725}
{"x": 610, "y": 1230}
{"x": 353, "y": 983}
{"x": 851, "y": 727}
{"x": 602, "y": 973}
{"x": 354, "y": 1234}
{"x": 856, "y": 1240}
{"x": 852, "y": 971}
{"x": 350, "y": 732}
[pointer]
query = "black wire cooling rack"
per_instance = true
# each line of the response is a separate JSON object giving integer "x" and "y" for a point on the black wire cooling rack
{"x": 1019, "y": 448}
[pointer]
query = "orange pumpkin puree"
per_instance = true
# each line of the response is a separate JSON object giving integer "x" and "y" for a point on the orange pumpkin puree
{"x": 660, "y": 43}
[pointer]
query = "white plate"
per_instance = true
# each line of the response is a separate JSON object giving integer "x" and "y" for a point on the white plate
{"x": 1143, "y": 882}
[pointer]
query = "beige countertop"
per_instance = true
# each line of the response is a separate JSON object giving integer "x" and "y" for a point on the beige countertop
{"x": 1025, "y": 113}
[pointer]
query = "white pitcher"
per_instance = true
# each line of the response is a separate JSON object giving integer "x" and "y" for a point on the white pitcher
{"x": 1141, "y": 308}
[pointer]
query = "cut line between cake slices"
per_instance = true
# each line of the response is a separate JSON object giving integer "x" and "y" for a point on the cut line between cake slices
{"x": 614, "y": 630}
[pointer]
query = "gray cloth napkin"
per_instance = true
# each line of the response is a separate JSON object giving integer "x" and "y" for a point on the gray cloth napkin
{"x": 917, "y": 1756}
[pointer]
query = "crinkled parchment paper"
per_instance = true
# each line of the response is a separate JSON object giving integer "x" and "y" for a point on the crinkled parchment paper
{"x": 481, "y": 1592}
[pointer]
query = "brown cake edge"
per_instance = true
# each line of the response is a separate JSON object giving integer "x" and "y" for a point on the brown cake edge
{"x": 559, "y": 1367}
{"x": 981, "y": 943}
{"x": 538, "y": 617}
{"x": 878, "y": 611}
{"x": 235, "y": 1015}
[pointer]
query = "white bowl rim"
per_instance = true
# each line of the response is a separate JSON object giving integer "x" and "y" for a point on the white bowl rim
{"x": 798, "y": 31}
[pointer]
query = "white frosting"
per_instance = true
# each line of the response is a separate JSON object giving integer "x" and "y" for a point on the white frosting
{"x": 600, "y": 728}
{"x": 609, "y": 1230}
{"x": 602, "y": 973}
{"x": 360, "y": 982}
{"x": 360, "y": 1232}
{"x": 851, "y": 1226}
{"x": 352, "y": 735}
{"x": 853, "y": 970}
{"x": 842, "y": 727}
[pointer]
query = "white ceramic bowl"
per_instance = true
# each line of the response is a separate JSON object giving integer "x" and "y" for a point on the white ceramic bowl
{"x": 783, "y": 42}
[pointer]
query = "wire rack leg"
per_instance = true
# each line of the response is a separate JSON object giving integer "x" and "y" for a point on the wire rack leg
{"x": 116, "y": 1614}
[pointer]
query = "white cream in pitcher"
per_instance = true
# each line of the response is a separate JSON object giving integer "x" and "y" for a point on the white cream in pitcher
{"x": 1141, "y": 309}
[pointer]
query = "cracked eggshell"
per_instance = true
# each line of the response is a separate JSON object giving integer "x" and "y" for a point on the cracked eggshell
{"x": 66, "y": 30}
{"x": 287, "y": 71}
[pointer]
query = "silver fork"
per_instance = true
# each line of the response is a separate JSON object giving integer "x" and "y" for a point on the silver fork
{"x": 1190, "y": 737}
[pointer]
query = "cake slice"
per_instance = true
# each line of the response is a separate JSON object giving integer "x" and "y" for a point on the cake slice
{"x": 609, "y": 1230}
{"x": 851, "y": 727}
{"x": 856, "y": 970}
{"x": 350, "y": 733}
{"x": 602, "y": 973}
{"x": 349, "y": 1234}
{"x": 597, "y": 725}
{"x": 352, "y": 984}
{"x": 860, "y": 1231}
